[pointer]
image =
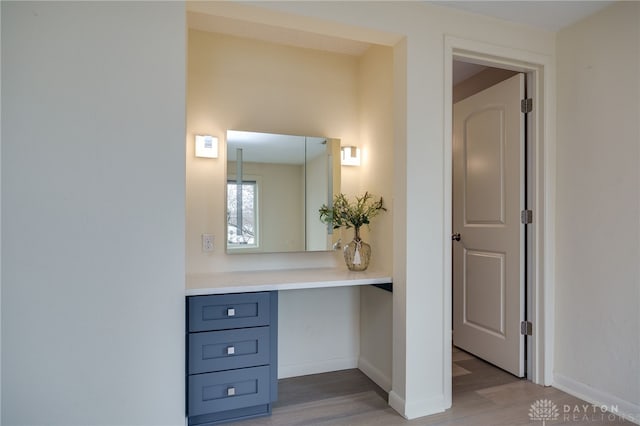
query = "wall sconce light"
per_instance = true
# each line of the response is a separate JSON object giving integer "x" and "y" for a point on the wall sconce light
{"x": 350, "y": 156}
{"x": 206, "y": 146}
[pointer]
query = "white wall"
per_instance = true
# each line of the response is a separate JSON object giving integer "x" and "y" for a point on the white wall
{"x": 93, "y": 269}
{"x": 320, "y": 336}
{"x": 598, "y": 208}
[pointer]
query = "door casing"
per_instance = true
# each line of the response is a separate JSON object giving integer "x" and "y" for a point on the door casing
{"x": 540, "y": 195}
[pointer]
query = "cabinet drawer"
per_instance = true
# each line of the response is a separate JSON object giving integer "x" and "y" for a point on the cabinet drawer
{"x": 223, "y": 350}
{"x": 228, "y": 390}
{"x": 225, "y": 311}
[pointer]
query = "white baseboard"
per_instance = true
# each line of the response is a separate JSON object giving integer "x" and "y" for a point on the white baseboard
{"x": 396, "y": 402}
{"x": 625, "y": 409}
{"x": 425, "y": 407}
{"x": 375, "y": 374}
{"x": 304, "y": 369}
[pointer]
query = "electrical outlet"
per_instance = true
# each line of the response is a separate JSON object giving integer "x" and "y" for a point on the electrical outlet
{"x": 207, "y": 242}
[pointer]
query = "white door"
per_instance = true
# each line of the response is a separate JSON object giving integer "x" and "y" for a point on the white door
{"x": 488, "y": 196}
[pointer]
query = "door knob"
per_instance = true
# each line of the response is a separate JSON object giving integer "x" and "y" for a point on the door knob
{"x": 455, "y": 237}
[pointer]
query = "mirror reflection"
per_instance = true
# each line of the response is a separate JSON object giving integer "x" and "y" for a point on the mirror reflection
{"x": 275, "y": 186}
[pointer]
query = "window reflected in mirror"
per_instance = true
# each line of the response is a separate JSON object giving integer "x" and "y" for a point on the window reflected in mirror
{"x": 242, "y": 214}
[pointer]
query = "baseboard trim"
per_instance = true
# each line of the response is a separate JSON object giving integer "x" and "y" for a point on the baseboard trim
{"x": 304, "y": 369}
{"x": 396, "y": 402}
{"x": 415, "y": 409}
{"x": 625, "y": 409}
{"x": 374, "y": 374}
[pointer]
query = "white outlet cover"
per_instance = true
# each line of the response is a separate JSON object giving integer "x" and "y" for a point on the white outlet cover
{"x": 207, "y": 242}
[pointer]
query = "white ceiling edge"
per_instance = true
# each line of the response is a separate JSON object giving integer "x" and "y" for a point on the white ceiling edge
{"x": 548, "y": 15}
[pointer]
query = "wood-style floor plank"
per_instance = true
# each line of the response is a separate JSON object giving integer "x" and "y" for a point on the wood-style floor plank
{"x": 483, "y": 395}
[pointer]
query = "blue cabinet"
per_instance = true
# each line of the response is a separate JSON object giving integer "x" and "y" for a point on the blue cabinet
{"x": 231, "y": 356}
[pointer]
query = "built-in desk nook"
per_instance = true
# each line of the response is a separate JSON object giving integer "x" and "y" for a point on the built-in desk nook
{"x": 232, "y": 332}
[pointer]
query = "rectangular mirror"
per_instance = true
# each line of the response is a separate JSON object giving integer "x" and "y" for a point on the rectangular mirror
{"x": 275, "y": 186}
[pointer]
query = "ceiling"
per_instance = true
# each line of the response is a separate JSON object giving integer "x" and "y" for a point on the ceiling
{"x": 465, "y": 70}
{"x": 549, "y": 15}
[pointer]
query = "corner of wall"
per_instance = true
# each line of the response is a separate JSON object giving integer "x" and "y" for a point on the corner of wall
{"x": 419, "y": 408}
{"x": 399, "y": 321}
{"x": 380, "y": 377}
{"x": 376, "y": 128}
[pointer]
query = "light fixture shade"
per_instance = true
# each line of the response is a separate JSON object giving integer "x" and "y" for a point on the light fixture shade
{"x": 350, "y": 156}
{"x": 206, "y": 146}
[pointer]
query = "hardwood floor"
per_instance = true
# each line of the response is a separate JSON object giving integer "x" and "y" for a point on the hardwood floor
{"x": 483, "y": 395}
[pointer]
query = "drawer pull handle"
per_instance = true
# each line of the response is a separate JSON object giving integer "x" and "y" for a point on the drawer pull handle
{"x": 231, "y": 391}
{"x": 231, "y": 312}
{"x": 231, "y": 350}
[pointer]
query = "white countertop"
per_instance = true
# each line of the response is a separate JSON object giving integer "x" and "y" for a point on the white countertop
{"x": 289, "y": 279}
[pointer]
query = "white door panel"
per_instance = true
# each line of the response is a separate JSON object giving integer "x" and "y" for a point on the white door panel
{"x": 488, "y": 182}
{"x": 484, "y": 175}
{"x": 483, "y": 291}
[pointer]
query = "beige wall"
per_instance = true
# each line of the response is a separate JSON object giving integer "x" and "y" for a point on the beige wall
{"x": 598, "y": 208}
{"x": 375, "y": 96}
{"x": 243, "y": 84}
{"x": 236, "y": 83}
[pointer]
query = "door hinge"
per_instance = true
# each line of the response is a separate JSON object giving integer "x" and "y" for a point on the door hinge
{"x": 526, "y": 328}
{"x": 526, "y": 217}
{"x": 526, "y": 105}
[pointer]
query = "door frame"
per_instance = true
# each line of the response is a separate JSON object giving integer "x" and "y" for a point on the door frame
{"x": 540, "y": 72}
